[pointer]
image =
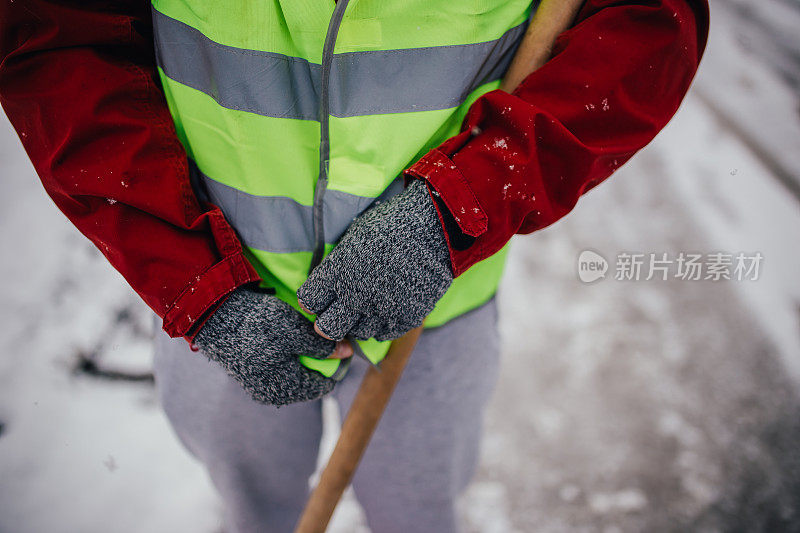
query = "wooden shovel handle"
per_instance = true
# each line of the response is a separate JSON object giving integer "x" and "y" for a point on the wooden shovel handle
{"x": 362, "y": 418}
{"x": 550, "y": 20}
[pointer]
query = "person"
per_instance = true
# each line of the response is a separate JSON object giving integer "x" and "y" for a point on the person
{"x": 244, "y": 165}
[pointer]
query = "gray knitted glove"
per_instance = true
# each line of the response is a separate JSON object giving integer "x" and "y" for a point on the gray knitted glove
{"x": 387, "y": 272}
{"x": 256, "y": 338}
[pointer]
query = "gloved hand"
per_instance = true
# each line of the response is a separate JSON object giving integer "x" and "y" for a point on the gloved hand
{"x": 257, "y": 339}
{"x": 386, "y": 274}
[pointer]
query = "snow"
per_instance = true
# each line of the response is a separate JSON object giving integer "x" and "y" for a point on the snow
{"x": 622, "y": 405}
{"x": 500, "y": 144}
{"x": 625, "y": 501}
{"x": 751, "y": 76}
{"x": 744, "y": 210}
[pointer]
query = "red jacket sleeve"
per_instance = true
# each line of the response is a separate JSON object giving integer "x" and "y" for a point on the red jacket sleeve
{"x": 78, "y": 82}
{"x": 522, "y": 160}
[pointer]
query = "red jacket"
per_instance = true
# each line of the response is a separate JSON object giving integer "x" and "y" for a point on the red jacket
{"x": 78, "y": 83}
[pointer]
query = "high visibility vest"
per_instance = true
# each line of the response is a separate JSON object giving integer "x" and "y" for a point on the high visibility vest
{"x": 299, "y": 114}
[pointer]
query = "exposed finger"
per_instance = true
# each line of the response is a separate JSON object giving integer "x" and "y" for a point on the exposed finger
{"x": 316, "y": 294}
{"x": 343, "y": 350}
{"x": 336, "y": 321}
{"x": 320, "y": 332}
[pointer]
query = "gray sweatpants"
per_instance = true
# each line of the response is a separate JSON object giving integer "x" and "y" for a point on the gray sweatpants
{"x": 422, "y": 455}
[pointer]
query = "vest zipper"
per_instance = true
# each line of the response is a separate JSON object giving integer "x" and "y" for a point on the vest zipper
{"x": 324, "y": 136}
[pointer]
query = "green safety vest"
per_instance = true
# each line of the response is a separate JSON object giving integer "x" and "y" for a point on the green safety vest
{"x": 299, "y": 114}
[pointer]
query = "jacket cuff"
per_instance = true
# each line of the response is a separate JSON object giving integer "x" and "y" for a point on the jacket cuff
{"x": 206, "y": 293}
{"x": 447, "y": 183}
{"x": 449, "y": 187}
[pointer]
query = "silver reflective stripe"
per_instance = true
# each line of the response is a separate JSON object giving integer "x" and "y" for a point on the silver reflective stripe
{"x": 362, "y": 83}
{"x": 276, "y": 85}
{"x": 389, "y": 81}
{"x": 282, "y": 225}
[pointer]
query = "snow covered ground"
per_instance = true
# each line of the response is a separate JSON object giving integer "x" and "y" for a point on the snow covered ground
{"x": 622, "y": 405}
